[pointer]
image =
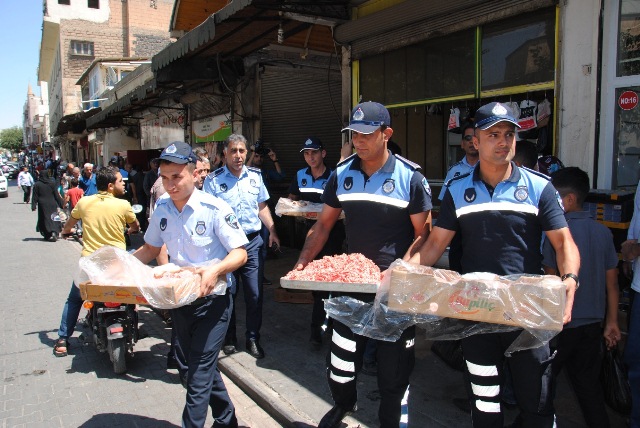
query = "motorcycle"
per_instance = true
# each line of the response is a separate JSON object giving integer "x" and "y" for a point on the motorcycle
{"x": 114, "y": 328}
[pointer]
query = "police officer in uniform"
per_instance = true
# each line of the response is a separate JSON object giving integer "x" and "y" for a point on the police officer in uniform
{"x": 308, "y": 186}
{"x": 196, "y": 228}
{"x": 500, "y": 211}
{"x": 387, "y": 204}
{"x": 468, "y": 161}
{"x": 243, "y": 189}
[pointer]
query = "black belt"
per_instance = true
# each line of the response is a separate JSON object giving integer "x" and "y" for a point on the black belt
{"x": 252, "y": 235}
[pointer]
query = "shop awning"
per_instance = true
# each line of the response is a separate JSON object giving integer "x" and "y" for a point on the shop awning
{"x": 75, "y": 122}
{"x": 136, "y": 100}
{"x": 245, "y": 26}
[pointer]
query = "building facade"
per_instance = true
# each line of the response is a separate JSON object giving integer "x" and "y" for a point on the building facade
{"x": 35, "y": 119}
{"x": 76, "y": 32}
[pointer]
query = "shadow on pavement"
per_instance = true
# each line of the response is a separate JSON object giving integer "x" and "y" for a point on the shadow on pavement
{"x": 124, "y": 419}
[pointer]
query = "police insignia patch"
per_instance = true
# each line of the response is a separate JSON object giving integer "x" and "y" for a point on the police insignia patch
{"x": 232, "y": 221}
{"x": 304, "y": 182}
{"x": 201, "y": 228}
{"x": 358, "y": 114}
{"x": 348, "y": 183}
{"x": 171, "y": 149}
{"x": 223, "y": 187}
{"x": 252, "y": 182}
{"x": 521, "y": 193}
{"x": 470, "y": 194}
{"x": 426, "y": 186}
{"x": 163, "y": 224}
{"x": 388, "y": 186}
{"x": 457, "y": 174}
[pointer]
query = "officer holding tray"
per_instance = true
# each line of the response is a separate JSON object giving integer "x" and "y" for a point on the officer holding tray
{"x": 387, "y": 205}
{"x": 197, "y": 227}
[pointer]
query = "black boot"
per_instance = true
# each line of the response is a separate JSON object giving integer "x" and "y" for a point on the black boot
{"x": 334, "y": 417}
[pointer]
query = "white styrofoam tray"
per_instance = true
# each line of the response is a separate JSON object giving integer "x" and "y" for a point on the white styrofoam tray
{"x": 328, "y": 286}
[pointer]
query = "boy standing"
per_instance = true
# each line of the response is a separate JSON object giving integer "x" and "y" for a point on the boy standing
{"x": 578, "y": 344}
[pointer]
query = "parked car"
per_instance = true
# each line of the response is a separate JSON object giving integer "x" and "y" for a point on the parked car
{"x": 14, "y": 169}
{"x": 4, "y": 186}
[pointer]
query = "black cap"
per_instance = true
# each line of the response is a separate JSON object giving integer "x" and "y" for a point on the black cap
{"x": 368, "y": 117}
{"x": 178, "y": 152}
{"x": 492, "y": 113}
{"x": 312, "y": 143}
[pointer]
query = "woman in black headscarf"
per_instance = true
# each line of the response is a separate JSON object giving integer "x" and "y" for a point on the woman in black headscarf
{"x": 46, "y": 198}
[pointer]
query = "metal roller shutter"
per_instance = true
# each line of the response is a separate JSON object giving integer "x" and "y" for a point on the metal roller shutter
{"x": 296, "y": 104}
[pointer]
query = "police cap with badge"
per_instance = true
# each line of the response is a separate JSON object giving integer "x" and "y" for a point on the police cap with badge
{"x": 178, "y": 152}
{"x": 492, "y": 113}
{"x": 368, "y": 117}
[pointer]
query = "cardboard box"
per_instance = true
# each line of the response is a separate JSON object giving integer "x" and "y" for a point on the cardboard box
{"x": 282, "y": 295}
{"x": 112, "y": 293}
{"x": 530, "y": 302}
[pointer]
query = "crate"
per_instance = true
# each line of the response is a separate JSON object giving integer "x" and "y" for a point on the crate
{"x": 282, "y": 295}
{"x": 610, "y": 205}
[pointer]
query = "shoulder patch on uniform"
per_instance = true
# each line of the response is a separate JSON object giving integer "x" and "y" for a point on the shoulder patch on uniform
{"x": 408, "y": 162}
{"x": 454, "y": 165}
{"x": 457, "y": 177}
{"x": 254, "y": 169}
{"x": 534, "y": 172}
{"x": 345, "y": 160}
{"x": 217, "y": 172}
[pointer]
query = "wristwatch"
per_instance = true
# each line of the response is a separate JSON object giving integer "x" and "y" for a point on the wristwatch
{"x": 572, "y": 276}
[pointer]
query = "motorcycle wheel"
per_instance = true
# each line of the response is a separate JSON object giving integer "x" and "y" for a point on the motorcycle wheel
{"x": 117, "y": 353}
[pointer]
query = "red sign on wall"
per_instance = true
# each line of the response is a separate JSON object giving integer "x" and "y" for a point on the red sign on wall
{"x": 628, "y": 100}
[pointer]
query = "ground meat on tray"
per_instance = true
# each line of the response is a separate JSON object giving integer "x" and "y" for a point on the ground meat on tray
{"x": 349, "y": 268}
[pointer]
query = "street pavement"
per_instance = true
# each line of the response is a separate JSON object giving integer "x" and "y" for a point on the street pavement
{"x": 39, "y": 390}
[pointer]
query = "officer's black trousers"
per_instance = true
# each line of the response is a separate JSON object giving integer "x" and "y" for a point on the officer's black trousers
{"x": 531, "y": 376}
{"x": 395, "y": 364}
{"x": 200, "y": 331}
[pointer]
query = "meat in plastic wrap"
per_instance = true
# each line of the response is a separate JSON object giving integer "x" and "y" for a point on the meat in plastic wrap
{"x": 166, "y": 287}
{"x": 450, "y": 306}
{"x": 306, "y": 209}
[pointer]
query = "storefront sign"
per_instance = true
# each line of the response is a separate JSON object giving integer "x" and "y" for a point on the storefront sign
{"x": 628, "y": 100}
{"x": 157, "y": 133}
{"x": 216, "y": 128}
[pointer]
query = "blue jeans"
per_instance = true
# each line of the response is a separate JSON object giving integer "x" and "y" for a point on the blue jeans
{"x": 70, "y": 313}
{"x": 632, "y": 358}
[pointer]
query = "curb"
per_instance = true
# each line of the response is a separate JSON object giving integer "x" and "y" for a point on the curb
{"x": 264, "y": 396}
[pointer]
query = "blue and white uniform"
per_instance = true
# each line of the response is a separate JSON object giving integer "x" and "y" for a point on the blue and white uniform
{"x": 206, "y": 229}
{"x": 378, "y": 225}
{"x": 501, "y": 230}
{"x": 308, "y": 188}
{"x": 457, "y": 169}
{"x": 244, "y": 194}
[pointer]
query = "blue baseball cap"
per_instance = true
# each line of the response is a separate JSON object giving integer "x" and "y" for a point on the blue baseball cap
{"x": 492, "y": 113}
{"x": 178, "y": 152}
{"x": 367, "y": 117}
{"x": 312, "y": 143}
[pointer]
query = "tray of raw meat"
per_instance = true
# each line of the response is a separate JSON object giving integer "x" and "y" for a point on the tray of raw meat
{"x": 352, "y": 273}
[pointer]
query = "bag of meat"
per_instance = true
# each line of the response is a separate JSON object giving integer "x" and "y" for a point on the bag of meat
{"x": 306, "y": 209}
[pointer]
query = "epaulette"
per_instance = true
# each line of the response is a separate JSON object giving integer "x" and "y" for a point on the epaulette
{"x": 254, "y": 169}
{"x": 217, "y": 172}
{"x": 452, "y": 179}
{"x": 163, "y": 199}
{"x": 534, "y": 172}
{"x": 345, "y": 160}
{"x": 454, "y": 165}
{"x": 408, "y": 162}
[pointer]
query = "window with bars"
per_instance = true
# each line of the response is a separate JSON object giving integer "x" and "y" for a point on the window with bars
{"x": 81, "y": 48}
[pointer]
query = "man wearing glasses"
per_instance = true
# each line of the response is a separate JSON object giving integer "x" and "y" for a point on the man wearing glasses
{"x": 468, "y": 162}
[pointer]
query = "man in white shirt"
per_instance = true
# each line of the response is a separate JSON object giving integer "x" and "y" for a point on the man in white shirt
{"x": 25, "y": 181}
